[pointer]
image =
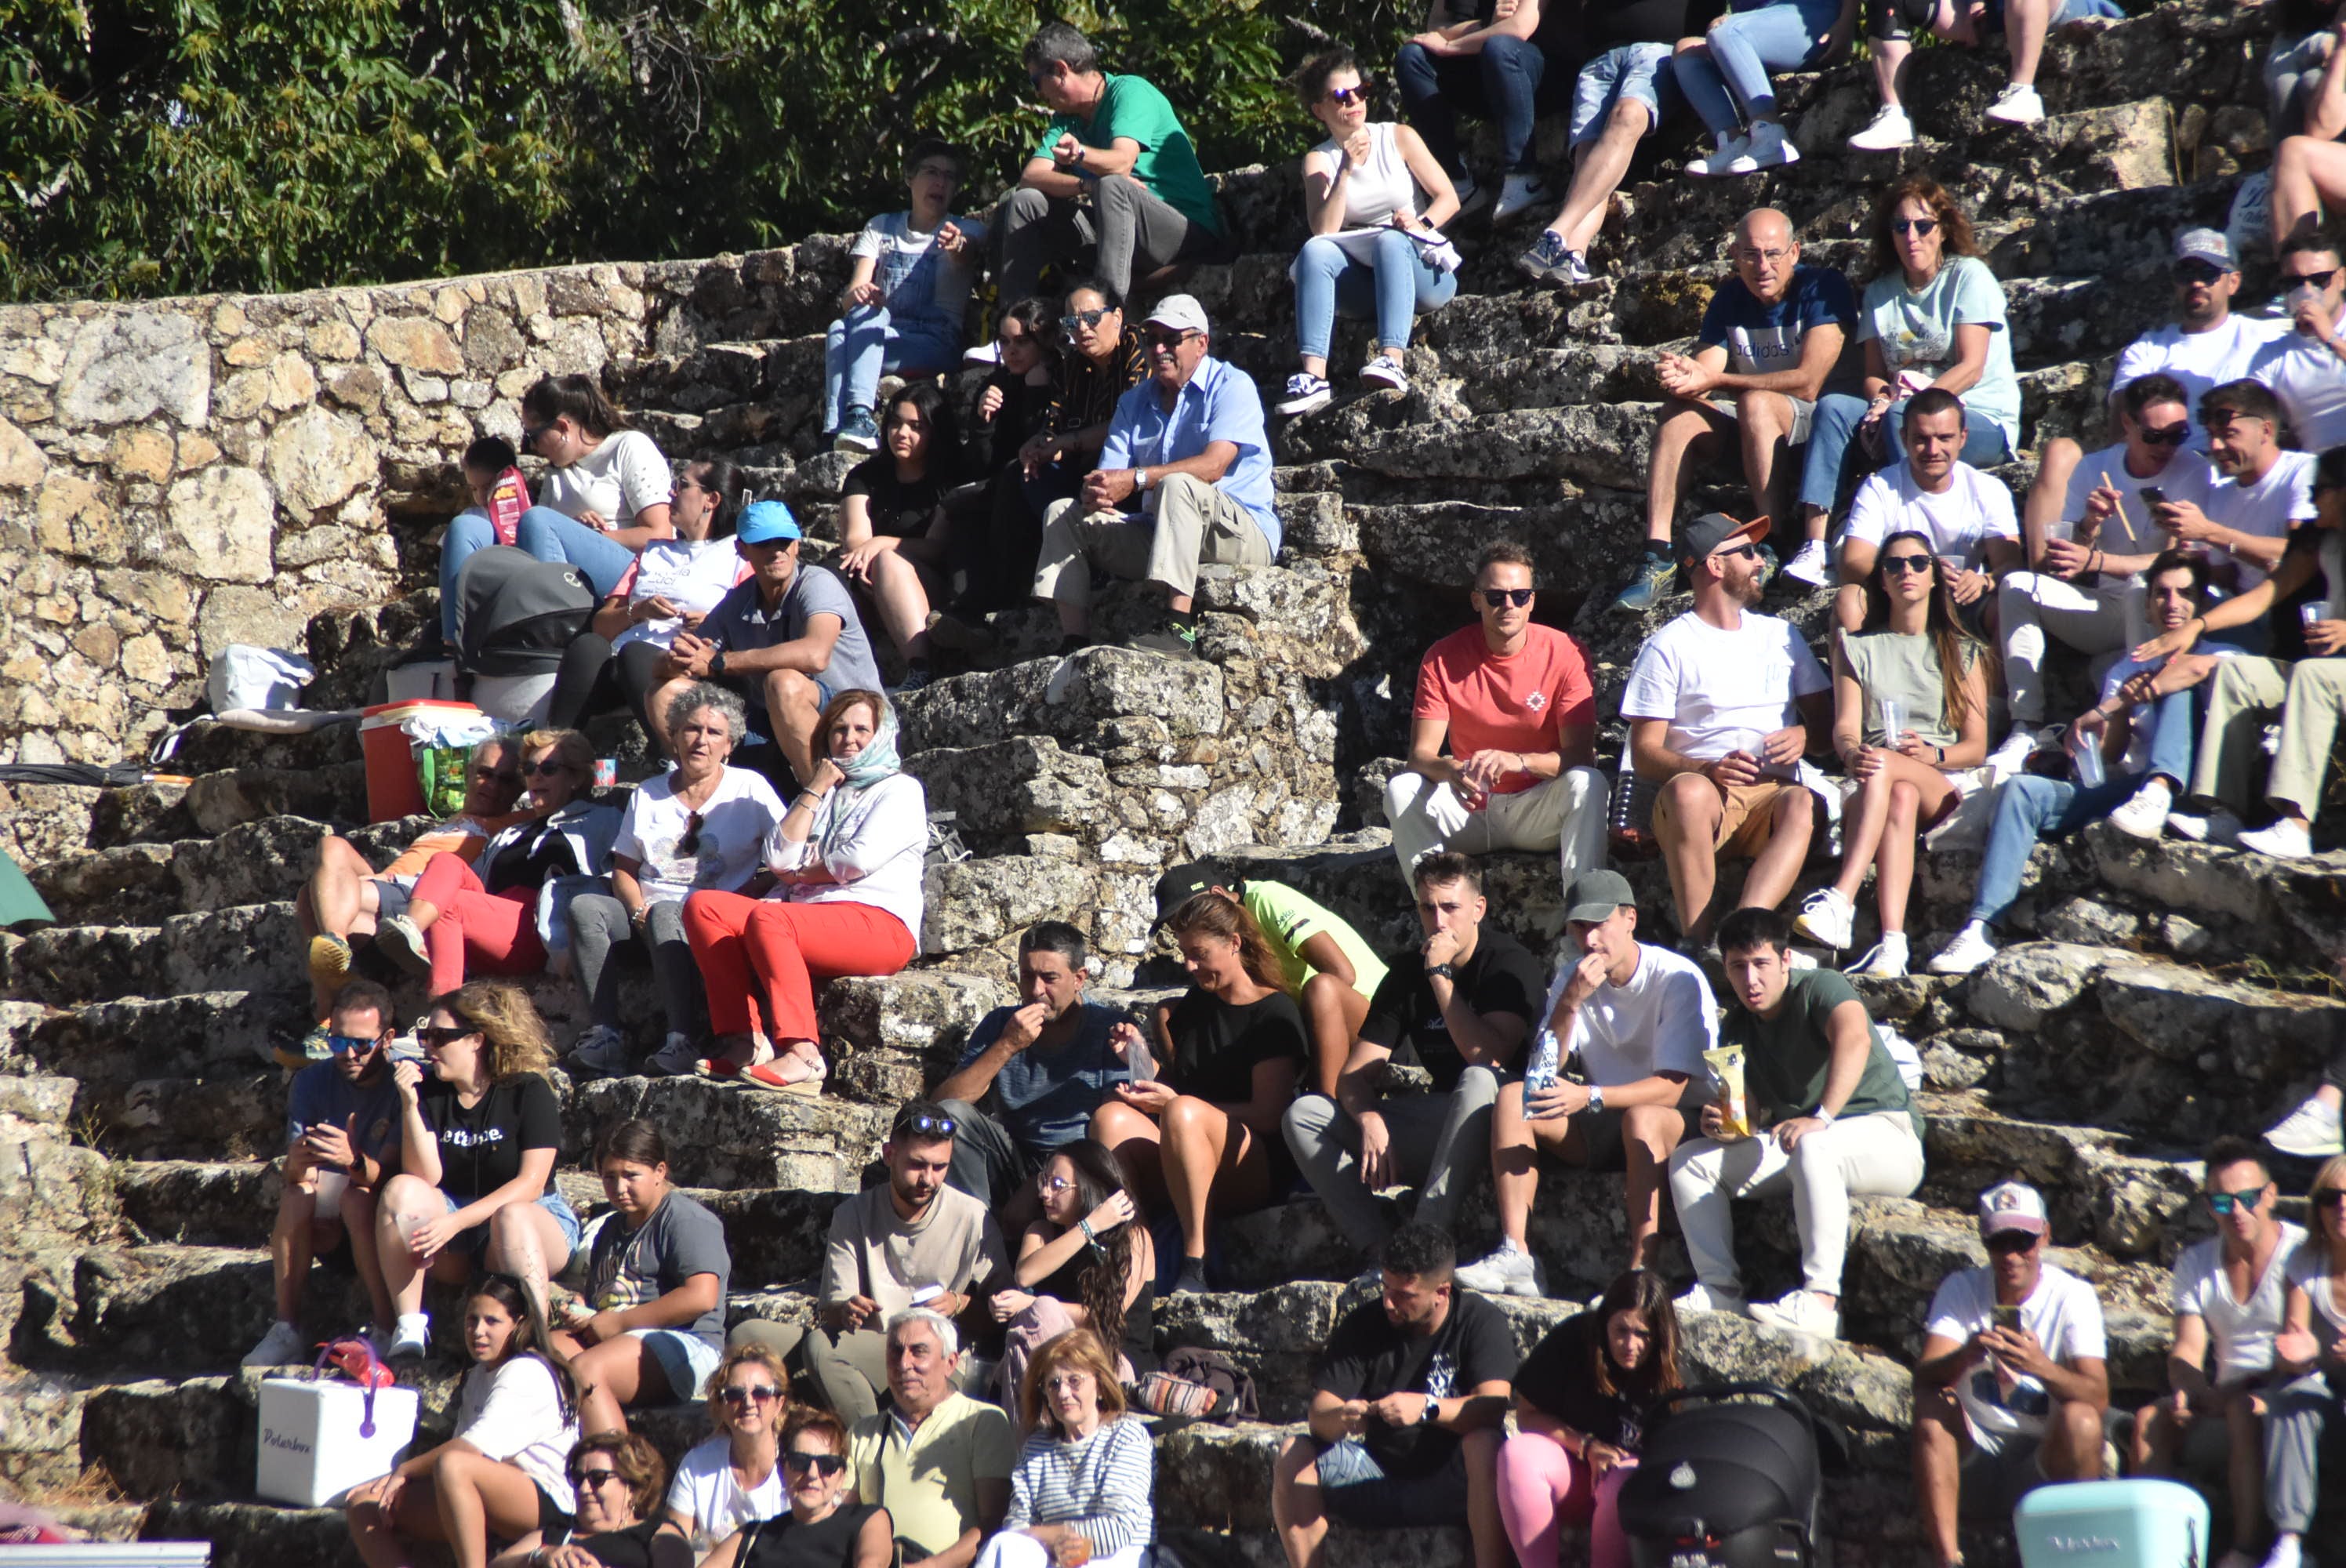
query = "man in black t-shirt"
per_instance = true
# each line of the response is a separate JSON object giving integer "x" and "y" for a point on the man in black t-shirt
{"x": 1408, "y": 1407}
{"x": 1464, "y": 1003}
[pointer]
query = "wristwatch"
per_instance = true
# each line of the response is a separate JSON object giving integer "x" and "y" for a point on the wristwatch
{"x": 716, "y": 665}
{"x": 1822, "y": 1115}
{"x": 1140, "y": 479}
{"x": 1595, "y": 1096}
{"x": 1442, "y": 969}
{"x": 1427, "y": 1412}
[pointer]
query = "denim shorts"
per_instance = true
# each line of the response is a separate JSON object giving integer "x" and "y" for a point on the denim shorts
{"x": 392, "y": 897}
{"x": 476, "y": 1237}
{"x": 686, "y": 1360}
{"x": 1639, "y": 71}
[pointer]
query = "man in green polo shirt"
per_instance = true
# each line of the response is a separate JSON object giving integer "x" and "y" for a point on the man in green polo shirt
{"x": 1115, "y": 138}
{"x": 936, "y": 1459}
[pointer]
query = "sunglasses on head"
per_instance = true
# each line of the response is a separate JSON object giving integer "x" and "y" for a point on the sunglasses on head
{"x": 690, "y": 843}
{"x": 593, "y": 1480}
{"x": 338, "y": 1043}
{"x": 925, "y": 1126}
{"x": 1085, "y": 320}
{"x": 2226, "y": 1202}
{"x": 430, "y": 1034}
{"x": 2167, "y": 434}
{"x": 2196, "y": 271}
{"x": 2315, "y": 280}
{"x": 1348, "y": 96}
{"x": 820, "y": 1464}
{"x": 1895, "y": 564}
{"x": 1914, "y": 225}
{"x": 740, "y": 1399}
{"x": 1494, "y": 597}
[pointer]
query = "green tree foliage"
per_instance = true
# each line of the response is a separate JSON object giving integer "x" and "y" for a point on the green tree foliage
{"x": 153, "y": 146}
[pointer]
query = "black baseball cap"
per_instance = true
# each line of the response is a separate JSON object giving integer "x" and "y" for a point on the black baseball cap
{"x": 1179, "y": 885}
{"x": 1707, "y": 532}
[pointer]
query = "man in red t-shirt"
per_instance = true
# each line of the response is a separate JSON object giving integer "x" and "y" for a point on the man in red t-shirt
{"x": 1514, "y": 702}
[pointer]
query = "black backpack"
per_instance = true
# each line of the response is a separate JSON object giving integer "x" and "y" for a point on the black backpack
{"x": 517, "y": 614}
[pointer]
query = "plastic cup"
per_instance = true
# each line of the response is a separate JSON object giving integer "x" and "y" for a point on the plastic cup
{"x": 1894, "y": 721}
{"x": 2088, "y": 761}
{"x": 2311, "y": 612}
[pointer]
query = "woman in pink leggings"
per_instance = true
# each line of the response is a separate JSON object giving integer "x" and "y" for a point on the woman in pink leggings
{"x": 846, "y": 861}
{"x": 1581, "y": 1398}
{"x": 506, "y": 917}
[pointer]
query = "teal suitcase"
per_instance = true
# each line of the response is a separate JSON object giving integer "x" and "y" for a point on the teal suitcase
{"x": 2112, "y": 1524}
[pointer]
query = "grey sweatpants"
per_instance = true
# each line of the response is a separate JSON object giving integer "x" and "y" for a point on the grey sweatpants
{"x": 2296, "y": 1418}
{"x": 1133, "y": 228}
{"x": 1440, "y": 1145}
{"x": 598, "y": 924}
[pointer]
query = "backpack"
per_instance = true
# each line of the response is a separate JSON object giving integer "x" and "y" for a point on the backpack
{"x": 517, "y": 614}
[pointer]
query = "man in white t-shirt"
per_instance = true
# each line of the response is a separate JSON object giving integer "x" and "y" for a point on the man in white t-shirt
{"x": 2014, "y": 1380}
{"x": 2246, "y": 525}
{"x": 2228, "y": 1293}
{"x": 1638, "y": 1018}
{"x": 2306, "y": 367}
{"x": 2089, "y": 542}
{"x": 1722, "y": 705}
{"x": 1966, "y": 515}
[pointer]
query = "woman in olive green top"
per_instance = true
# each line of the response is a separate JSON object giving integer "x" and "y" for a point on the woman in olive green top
{"x": 1914, "y": 664}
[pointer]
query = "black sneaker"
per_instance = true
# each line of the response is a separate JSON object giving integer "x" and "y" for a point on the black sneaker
{"x": 1172, "y": 640}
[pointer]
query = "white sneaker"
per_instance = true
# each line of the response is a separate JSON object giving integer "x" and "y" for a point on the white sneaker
{"x": 2009, "y": 758}
{"x": 402, "y": 941}
{"x": 1827, "y": 916}
{"x": 1509, "y": 1271}
{"x": 602, "y": 1050}
{"x": 283, "y": 1346}
{"x": 1521, "y": 193}
{"x": 1768, "y": 146}
{"x": 2144, "y": 815}
{"x": 1810, "y": 564}
{"x": 2218, "y": 827}
{"x": 2287, "y": 1552}
{"x": 413, "y": 1336}
{"x": 1973, "y": 947}
{"x": 1885, "y": 960}
{"x": 1731, "y": 147}
{"x": 1385, "y": 370}
{"x": 1305, "y": 394}
{"x": 675, "y": 1057}
{"x": 2309, "y": 1132}
{"x": 1798, "y": 1312}
{"x": 985, "y": 353}
{"x": 1891, "y": 129}
{"x": 2018, "y": 105}
{"x": 1795, "y": 959}
{"x": 1472, "y": 195}
{"x": 1701, "y": 1297}
{"x": 2284, "y": 840}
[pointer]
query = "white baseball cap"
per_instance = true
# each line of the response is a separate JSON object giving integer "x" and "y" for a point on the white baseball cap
{"x": 2012, "y": 1205}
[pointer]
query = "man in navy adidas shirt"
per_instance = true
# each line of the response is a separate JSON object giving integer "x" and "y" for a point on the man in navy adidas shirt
{"x": 1772, "y": 338}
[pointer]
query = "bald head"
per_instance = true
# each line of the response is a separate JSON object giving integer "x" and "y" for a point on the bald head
{"x": 1766, "y": 253}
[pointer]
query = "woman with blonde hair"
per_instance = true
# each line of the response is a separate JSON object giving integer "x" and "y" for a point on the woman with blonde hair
{"x": 2310, "y": 1351}
{"x": 847, "y": 862}
{"x": 478, "y": 1139}
{"x": 1086, "y": 1471}
{"x": 735, "y": 1477}
{"x": 507, "y": 909}
{"x": 1205, "y": 1136}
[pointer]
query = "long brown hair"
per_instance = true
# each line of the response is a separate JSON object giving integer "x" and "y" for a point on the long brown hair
{"x": 1647, "y": 1294}
{"x": 1102, "y": 1282}
{"x": 531, "y": 1335}
{"x": 550, "y": 398}
{"x": 508, "y": 1025}
{"x": 1955, "y": 229}
{"x": 1211, "y": 914}
{"x": 1956, "y": 648}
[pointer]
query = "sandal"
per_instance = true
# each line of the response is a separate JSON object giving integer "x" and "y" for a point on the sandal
{"x": 799, "y": 1070}
{"x": 725, "y": 1066}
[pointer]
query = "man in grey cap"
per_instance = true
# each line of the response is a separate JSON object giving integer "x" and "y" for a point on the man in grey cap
{"x": 1184, "y": 479}
{"x": 1637, "y": 1019}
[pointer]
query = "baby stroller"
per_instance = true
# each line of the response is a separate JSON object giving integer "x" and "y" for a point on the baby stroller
{"x": 1728, "y": 1477}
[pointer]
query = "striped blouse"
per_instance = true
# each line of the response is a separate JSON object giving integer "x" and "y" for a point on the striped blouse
{"x": 1101, "y": 1485}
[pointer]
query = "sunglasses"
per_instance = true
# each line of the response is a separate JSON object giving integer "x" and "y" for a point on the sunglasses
{"x": 1747, "y": 550}
{"x": 1896, "y": 564}
{"x": 1053, "y": 1184}
{"x": 2329, "y": 1197}
{"x": 338, "y": 1043}
{"x": 1348, "y": 96}
{"x": 820, "y": 1464}
{"x": 740, "y": 1399}
{"x": 593, "y": 1480}
{"x": 2226, "y": 1202}
{"x": 2309, "y": 279}
{"x": 925, "y": 1126}
{"x": 530, "y": 438}
{"x": 497, "y": 776}
{"x": 1494, "y": 597}
{"x": 430, "y": 1035}
{"x": 1914, "y": 225}
{"x": 1074, "y": 320}
{"x": 2167, "y": 434}
{"x": 2012, "y": 1241}
{"x": 690, "y": 843}
{"x": 1157, "y": 339}
{"x": 547, "y": 766}
{"x": 2196, "y": 271}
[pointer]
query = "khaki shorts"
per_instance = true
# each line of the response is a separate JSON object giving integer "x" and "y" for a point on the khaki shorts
{"x": 1745, "y": 820}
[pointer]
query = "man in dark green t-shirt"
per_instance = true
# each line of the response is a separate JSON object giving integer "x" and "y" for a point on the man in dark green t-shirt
{"x": 1118, "y": 139}
{"x": 1830, "y": 1117}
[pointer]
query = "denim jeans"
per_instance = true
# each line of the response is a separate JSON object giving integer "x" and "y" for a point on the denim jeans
{"x": 1834, "y": 427}
{"x": 545, "y": 534}
{"x": 1639, "y": 72}
{"x": 1393, "y": 288}
{"x": 2031, "y": 806}
{"x": 1500, "y": 84}
{"x": 1732, "y": 68}
{"x": 870, "y": 341}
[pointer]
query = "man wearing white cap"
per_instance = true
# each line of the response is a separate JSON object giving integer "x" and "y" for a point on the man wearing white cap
{"x": 2014, "y": 1378}
{"x": 1184, "y": 479}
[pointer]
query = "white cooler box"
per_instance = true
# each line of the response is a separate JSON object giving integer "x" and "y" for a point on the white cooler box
{"x": 310, "y": 1449}
{"x": 2112, "y": 1524}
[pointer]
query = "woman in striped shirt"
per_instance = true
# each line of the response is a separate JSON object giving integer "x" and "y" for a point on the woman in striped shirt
{"x": 1082, "y": 1490}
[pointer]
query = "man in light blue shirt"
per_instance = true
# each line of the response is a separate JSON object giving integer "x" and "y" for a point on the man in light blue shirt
{"x": 1183, "y": 480}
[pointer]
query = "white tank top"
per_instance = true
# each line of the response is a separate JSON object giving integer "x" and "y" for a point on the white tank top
{"x": 1379, "y": 188}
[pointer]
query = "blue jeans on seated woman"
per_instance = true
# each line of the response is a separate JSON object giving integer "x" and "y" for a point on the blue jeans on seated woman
{"x": 1726, "y": 81}
{"x": 545, "y": 534}
{"x": 1500, "y": 82}
{"x": 1834, "y": 431}
{"x": 1393, "y": 288}
{"x": 2032, "y": 805}
{"x": 869, "y": 342}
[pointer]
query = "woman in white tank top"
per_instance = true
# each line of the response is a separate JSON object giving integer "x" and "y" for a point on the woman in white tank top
{"x": 1373, "y": 250}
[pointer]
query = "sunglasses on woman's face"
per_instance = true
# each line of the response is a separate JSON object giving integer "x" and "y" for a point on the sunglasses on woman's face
{"x": 740, "y": 1399}
{"x": 1053, "y": 1184}
{"x": 1348, "y": 97}
{"x": 431, "y": 1036}
{"x": 2329, "y": 1198}
{"x": 593, "y": 1480}
{"x": 1084, "y": 320}
{"x": 1897, "y": 564}
{"x": 1914, "y": 225}
{"x": 546, "y": 768}
{"x": 820, "y": 1464}
{"x": 1494, "y": 597}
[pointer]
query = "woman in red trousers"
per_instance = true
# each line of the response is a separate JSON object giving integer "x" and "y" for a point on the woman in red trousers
{"x": 847, "y": 862}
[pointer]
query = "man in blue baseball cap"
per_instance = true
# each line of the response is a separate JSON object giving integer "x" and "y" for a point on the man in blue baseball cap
{"x": 786, "y": 639}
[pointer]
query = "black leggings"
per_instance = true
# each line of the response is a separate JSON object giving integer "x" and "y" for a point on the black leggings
{"x": 592, "y": 679}
{"x": 997, "y": 533}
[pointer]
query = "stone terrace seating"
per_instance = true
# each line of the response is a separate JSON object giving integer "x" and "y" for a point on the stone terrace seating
{"x": 185, "y": 474}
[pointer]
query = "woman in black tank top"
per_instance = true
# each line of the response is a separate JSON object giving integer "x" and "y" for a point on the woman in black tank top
{"x": 826, "y": 1527}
